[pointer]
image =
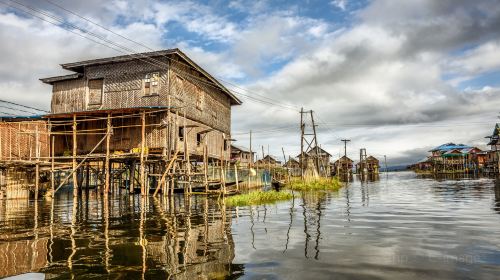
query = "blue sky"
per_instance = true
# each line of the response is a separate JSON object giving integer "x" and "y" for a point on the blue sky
{"x": 397, "y": 77}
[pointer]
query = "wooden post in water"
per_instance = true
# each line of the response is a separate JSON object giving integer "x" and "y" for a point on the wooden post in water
{"x": 143, "y": 136}
{"x": 52, "y": 158}
{"x": 236, "y": 176}
{"x": 106, "y": 163}
{"x": 205, "y": 165}
{"x": 222, "y": 165}
{"x": 1, "y": 150}
{"x": 37, "y": 166}
{"x": 132, "y": 178}
{"x": 75, "y": 179}
{"x": 10, "y": 143}
{"x": 188, "y": 159}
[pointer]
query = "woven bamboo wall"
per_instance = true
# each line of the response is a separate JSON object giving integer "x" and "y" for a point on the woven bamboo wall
{"x": 18, "y": 140}
{"x": 123, "y": 87}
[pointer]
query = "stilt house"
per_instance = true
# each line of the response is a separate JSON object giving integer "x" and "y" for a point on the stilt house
{"x": 163, "y": 97}
{"x": 243, "y": 156}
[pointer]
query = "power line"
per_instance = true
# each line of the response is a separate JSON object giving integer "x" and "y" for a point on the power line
{"x": 135, "y": 55}
{"x": 148, "y": 48}
{"x": 15, "y": 109}
{"x": 267, "y": 100}
{"x": 20, "y": 105}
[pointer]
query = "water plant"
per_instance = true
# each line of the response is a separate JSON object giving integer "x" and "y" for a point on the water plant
{"x": 326, "y": 184}
{"x": 257, "y": 198}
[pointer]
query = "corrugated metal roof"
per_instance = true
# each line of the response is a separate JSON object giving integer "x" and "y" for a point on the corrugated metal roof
{"x": 449, "y": 146}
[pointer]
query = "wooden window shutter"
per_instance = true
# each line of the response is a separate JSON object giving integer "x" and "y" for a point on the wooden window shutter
{"x": 95, "y": 91}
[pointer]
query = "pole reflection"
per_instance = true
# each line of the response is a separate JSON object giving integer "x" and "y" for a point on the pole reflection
{"x": 117, "y": 236}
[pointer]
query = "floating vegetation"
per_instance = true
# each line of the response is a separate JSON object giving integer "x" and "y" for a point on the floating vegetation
{"x": 326, "y": 184}
{"x": 258, "y": 197}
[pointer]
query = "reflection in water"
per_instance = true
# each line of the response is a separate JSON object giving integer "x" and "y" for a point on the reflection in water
{"x": 397, "y": 227}
{"x": 125, "y": 237}
{"x": 496, "y": 206}
{"x": 394, "y": 228}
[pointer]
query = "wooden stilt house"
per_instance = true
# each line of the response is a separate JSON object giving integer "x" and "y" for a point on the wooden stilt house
{"x": 153, "y": 108}
{"x": 180, "y": 101}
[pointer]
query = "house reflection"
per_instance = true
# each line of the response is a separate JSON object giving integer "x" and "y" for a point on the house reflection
{"x": 129, "y": 236}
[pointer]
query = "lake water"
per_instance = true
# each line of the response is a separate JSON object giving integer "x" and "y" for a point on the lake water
{"x": 399, "y": 227}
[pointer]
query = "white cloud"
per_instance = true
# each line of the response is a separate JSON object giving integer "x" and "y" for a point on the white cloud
{"x": 385, "y": 69}
{"x": 341, "y": 4}
{"x": 481, "y": 59}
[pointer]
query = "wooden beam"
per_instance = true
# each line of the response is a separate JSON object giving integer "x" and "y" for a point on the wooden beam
{"x": 52, "y": 157}
{"x": 75, "y": 179}
{"x": 37, "y": 166}
{"x": 106, "y": 163}
{"x": 162, "y": 180}
{"x": 143, "y": 136}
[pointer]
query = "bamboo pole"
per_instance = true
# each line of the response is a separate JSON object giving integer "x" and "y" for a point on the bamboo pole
{"x": 132, "y": 178}
{"x": 143, "y": 136}
{"x": 205, "y": 165}
{"x": 186, "y": 155}
{"x": 106, "y": 163}
{"x": 18, "y": 141}
{"x": 166, "y": 172}
{"x": 222, "y": 173}
{"x": 52, "y": 156}
{"x": 10, "y": 143}
{"x": 37, "y": 166}
{"x": 83, "y": 160}
{"x": 75, "y": 179}
{"x": 236, "y": 176}
{"x": 1, "y": 145}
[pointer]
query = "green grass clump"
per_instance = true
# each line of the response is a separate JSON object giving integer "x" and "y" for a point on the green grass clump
{"x": 321, "y": 184}
{"x": 257, "y": 197}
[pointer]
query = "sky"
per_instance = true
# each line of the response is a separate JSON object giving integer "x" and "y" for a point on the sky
{"x": 395, "y": 77}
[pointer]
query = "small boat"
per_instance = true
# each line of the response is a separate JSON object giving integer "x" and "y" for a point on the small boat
{"x": 27, "y": 276}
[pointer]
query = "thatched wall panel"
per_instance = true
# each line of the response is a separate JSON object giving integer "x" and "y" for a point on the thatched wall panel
{"x": 18, "y": 140}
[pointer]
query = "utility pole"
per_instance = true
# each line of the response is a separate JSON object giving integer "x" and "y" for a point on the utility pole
{"x": 309, "y": 138}
{"x": 345, "y": 146}
{"x": 316, "y": 147}
{"x": 301, "y": 157}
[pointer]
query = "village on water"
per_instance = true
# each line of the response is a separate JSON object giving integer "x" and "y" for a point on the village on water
{"x": 158, "y": 123}
{"x": 168, "y": 139}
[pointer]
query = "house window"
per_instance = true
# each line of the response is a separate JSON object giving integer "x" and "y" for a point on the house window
{"x": 226, "y": 144}
{"x": 95, "y": 91}
{"x": 151, "y": 83}
{"x": 199, "y": 139}
{"x": 181, "y": 133}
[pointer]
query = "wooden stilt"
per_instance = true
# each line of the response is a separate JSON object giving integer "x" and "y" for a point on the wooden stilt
{"x": 37, "y": 166}
{"x": 106, "y": 164}
{"x": 75, "y": 179}
{"x": 143, "y": 136}
{"x": 205, "y": 165}
{"x": 132, "y": 178}
{"x": 236, "y": 176}
{"x": 52, "y": 158}
{"x": 87, "y": 176}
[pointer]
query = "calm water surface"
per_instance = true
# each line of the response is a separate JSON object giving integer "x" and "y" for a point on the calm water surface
{"x": 400, "y": 227}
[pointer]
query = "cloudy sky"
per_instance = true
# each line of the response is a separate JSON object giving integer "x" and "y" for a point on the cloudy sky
{"x": 395, "y": 77}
